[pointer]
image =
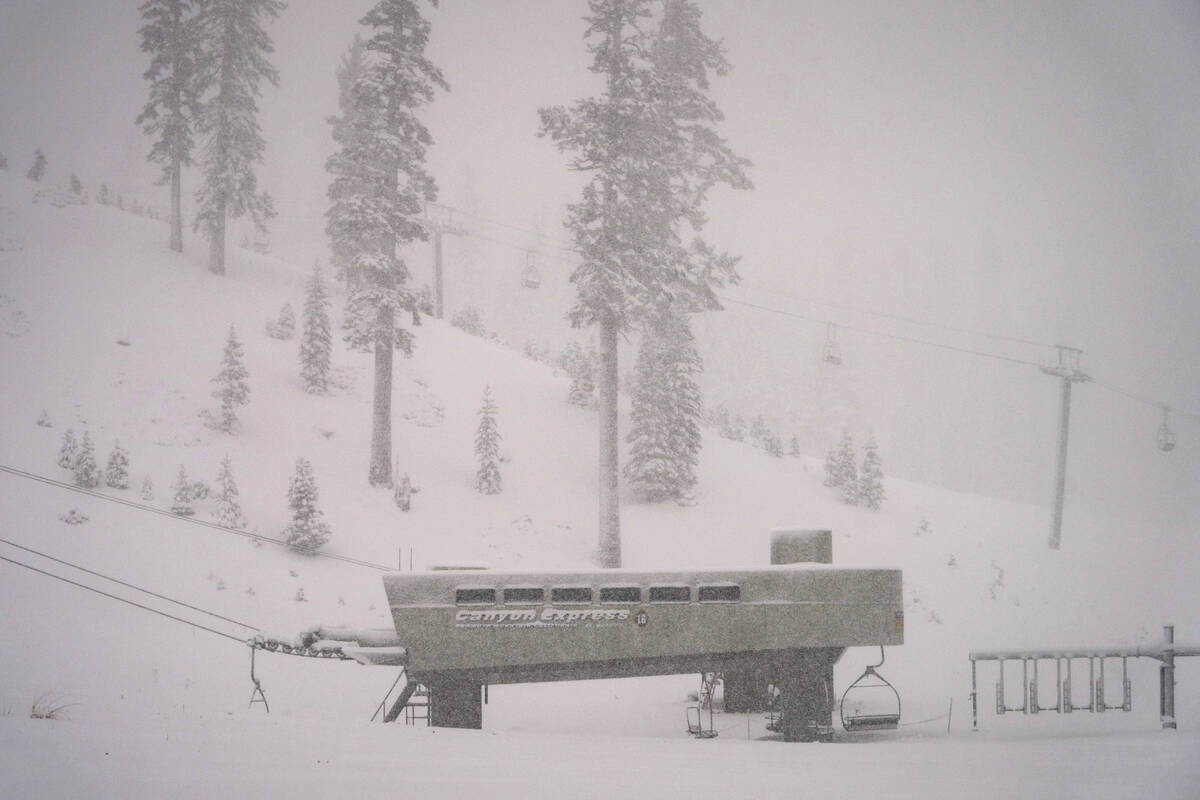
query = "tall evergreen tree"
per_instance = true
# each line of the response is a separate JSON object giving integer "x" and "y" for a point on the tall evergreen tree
{"x": 378, "y": 192}
{"x": 38, "y": 169}
{"x": 346, "y": 241}
{"x": 87, "y": 471}
{"x": 833, "y": 475}
{"x": 664, "y": 433}
{"x": 233, "y": 390}
{"x": 308, "y": 531}
{"x": 116, "y": 472}
{"x": 228, "y": 512}
{"x": 870, "y": 481}
{"x": 75, "y": 185}
{"x": 234, "y": 49}
{"x": 487, "y": 447}
{"x": 648, "y": 145}
{"x": 170, "y": 37}
{"x": 316, "y": 343}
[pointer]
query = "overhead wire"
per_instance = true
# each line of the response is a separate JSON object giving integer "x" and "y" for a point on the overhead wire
{"x": 126, "y": 585}
{"x": 124, "y": 600}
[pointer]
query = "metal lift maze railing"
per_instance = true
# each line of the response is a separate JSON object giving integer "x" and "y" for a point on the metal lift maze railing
{"x": 1064, "y": 699}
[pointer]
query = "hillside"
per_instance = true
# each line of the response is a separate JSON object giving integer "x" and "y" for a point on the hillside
{"x": 105, "y": 330}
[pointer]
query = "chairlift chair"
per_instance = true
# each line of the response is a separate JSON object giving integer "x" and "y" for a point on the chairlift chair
{"x": 530, "y": 277}
{"x": 1166, "y": 436}
{"x": 832, "y": 354}
{"x": 875, "y": 703}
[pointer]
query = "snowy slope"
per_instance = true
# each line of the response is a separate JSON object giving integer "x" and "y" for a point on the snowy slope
{"x": 103, "y": 328}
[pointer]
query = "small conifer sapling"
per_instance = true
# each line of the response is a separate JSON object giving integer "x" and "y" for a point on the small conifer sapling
{"x": 87, "y": 471}
{"x": 233, "y": 390}
{"x": 308, "y": 531}
{"x": 68, "y": 451}
{"x": 116, "y": 473}
{"x": 487, "y": 447}
{"x": 181, "y": 502}
{"x": 228, "y": 512}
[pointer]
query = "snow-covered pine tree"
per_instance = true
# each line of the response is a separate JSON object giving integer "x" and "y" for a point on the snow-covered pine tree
{"x": 833, "y": 474}
{"x": 378, "y": 192}
{"x": 794, "y": 448}
{"x": 737, "y": 428}
{"x": 228, "y": 512}
{"x": 848, "y": 467}
{"x": 38, "y": 169}
{"x": 75, "y": 185}
{"x": 664, "y": 434}
{"x": 285, "y": 326}
{"x": 3, "y": 161}
{"x": 116, "y": 472}
{"x": 487, "y": 446}
{"x": 87, "y": 471}
{"x": 760, "y": 432}
{"x": 232, "y": 387}
{"x": 648, "y": 146}
{"x": 234, "y": 49}
{"x": 68, "y": 451}
{"x": 308, "y": 531}
{"x": 870, "y": 482}
{"x": 147, "y": 491}
{"x": 182, "y": 497}
{"x": 170, "y": 35}
{"x": 102, "y": 195}
{"x": 316, "y": 343}
{"x": 346, "y": 242}
{"x": 773, "y": 445}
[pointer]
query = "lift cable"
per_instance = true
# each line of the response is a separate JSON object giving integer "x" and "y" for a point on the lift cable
{"x": 161, "y": 512}
{"x": 123, "y": 600}
{"x": 1141, "y": 399}
{"x": 869, "y": 332}
{"x": 127, "y": 585}
{"x": 898, "y": 317}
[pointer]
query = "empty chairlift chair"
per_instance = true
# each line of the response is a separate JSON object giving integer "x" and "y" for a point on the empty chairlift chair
{"x": 870, "y": 703}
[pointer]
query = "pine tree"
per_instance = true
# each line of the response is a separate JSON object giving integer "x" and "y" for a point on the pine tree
{"x": 870, "y": 483}
{"x": 116, "y": 472}
{"x": 833, "y": 475}
{"x": 147, "y": 492}
{"x": 38, "y": 170}
{"x": 234, "y": 49}
{"x": 737, "y": 428}
{"x": 181, "y": 502}
{"x": 847, "y": 469}
{"x": 346, "y": 242}
{"x": 773, "y": 445}
{"x": 308, "y": 531}
{"x": 228, "y": 512}
{"x": 102, "y": 196}
{"x": 87, "y": 471}
{"x": 285, "y": 326}
{"x": 648, "y": 145}
{"x": 664, "y": 434}
{"x": 487, "y": 447}
{"x": 233, "y": 390}
{"x": 170, "y": 35}
{"x": 580, "y": 367}
{"x": 845, "y": 459}
{"x": 75, "y": 185}
{"x": 68, "y": 451}
{"x": 760, "y": 433}
{"x": 794, "y": 448}
{"x": 316, "y": 344}
{"x": 378, "y": 192}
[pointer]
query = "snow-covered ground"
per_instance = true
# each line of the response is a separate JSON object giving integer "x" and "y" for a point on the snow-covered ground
{"x": 102, "y": 328}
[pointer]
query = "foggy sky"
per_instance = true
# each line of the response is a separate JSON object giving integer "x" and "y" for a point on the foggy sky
{"x": 1027, "y": 168}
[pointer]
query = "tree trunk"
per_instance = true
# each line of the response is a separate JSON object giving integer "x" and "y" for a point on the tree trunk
{"x": 216, "y": 241}
{"x": 176, "y": 207}
{"x": 609, "y": 551}
{"x": 381, "y": 419}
